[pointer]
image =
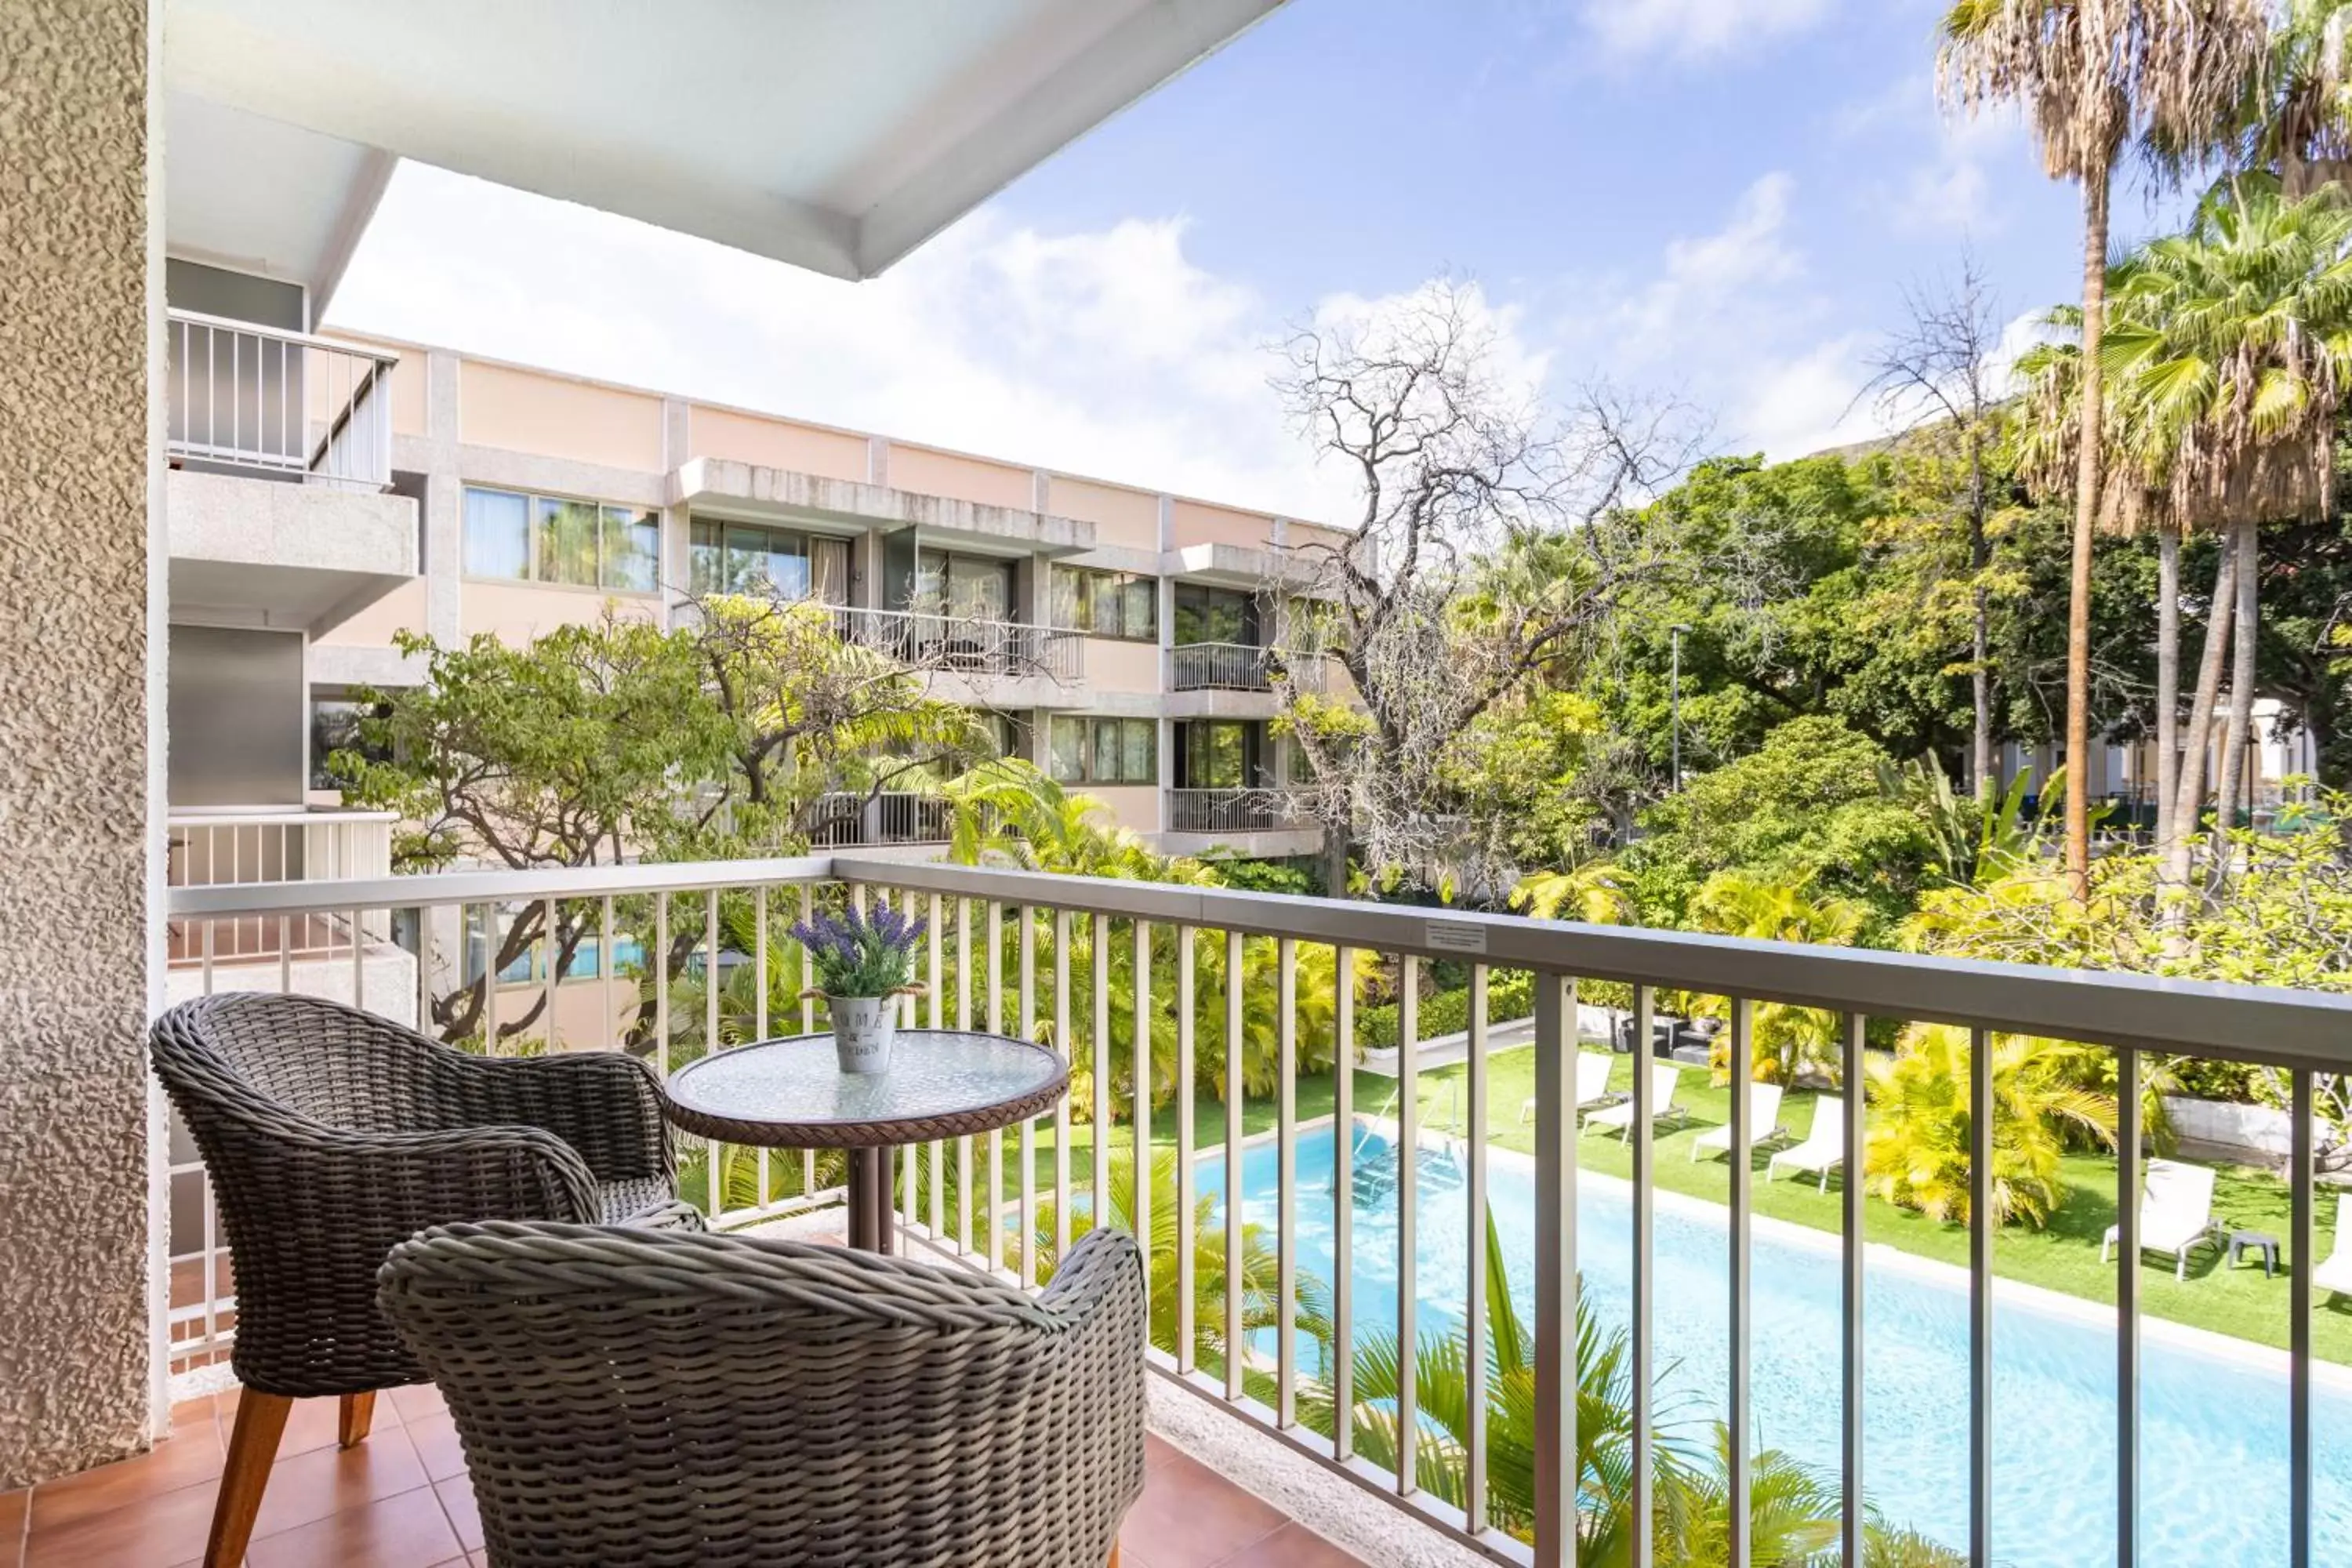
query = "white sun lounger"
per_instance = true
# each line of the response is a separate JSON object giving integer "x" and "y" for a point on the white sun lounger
{"x": 1763, "y": 1123}
{"x": 2336, "y": 1274}
{"x": 1591, "y": 1085}
{"x": 2176, "y": 1213}
{"x": 1823, "y": 1149}
{"x": 1664, "y": 1078}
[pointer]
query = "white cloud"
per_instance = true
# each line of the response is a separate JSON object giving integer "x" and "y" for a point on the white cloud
{"x": 1694, "y": 29}
{"x": 1106, "y": 353}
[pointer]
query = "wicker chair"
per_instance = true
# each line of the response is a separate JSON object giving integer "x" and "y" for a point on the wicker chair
{"x": 330, "y": 1134}
{"x": 672, "y": 1399}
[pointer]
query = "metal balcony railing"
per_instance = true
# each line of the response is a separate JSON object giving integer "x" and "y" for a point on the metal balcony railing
{"x": 242, "y": 396}
{"x": 241, "y": 848}
{"x": 960, "y": 645}
{"x": 850, "y": 820}
{"x": 1081, "y": 963}
{"x": 1232, "y": 810}
{"x": 1242, "y": 667}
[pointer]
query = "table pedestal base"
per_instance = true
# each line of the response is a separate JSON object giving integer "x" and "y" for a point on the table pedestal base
{"x": 871, "y": 1225}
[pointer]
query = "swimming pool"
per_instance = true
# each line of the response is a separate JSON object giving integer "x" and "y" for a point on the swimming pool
{"x": 2213, "y": 1427}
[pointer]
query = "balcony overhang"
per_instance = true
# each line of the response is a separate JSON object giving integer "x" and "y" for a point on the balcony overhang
{"x": 262, "y": 553}
{"x": 1238, "y": 566}
{"x": 833, "y": 134}
{"x": 751, "y": 491}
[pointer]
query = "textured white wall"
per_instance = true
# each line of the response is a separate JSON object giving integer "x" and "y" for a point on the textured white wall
{"x": 75, "y": 1333}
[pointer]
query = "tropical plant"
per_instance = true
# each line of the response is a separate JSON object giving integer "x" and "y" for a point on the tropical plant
{"x": 2092, "y": 75}
{"x": 1972, "y": 836}
{"x": 1793, "y": 1511}
{"x": 1261, "y": 1263}
{"x": 1593, "y": 893}
{"x": 1784, "y": 1042}
{"x": 1916, "y": 1152}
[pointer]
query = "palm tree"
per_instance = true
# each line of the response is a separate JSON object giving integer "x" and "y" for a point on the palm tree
{"x": 2231, "y": 350}
{"x": 2092, "y": 75}
{"x": 2297, "y": 115}
{"x": 1793, "y": 1511}
{"x": 1918, "y": 1151}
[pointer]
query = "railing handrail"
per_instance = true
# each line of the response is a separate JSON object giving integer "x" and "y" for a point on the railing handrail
{"x": 284, "y": 334}
{"x": 274, "y": 817}
{"x": 2268, "y": 1024}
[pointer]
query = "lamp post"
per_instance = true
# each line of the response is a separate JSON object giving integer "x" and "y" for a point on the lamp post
{"x": 1676, "y": 637}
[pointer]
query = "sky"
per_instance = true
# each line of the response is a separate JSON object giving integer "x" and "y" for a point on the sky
{"x": 1718, "y": 201}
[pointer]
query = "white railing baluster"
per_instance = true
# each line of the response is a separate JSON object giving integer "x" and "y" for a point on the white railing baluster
{"x": 1980, "y": 1229}
{"x": 1062, "y": 1106}
{"x": 1556, "y": 1372}
{"x": 661, "y": 984}
{"x": 1343, "y": 1203}
{"x": 994, "y": 1208}
{"x": 1236, "y": 1330}
{"x": 715, "y": 1151}
{"x": 2302, "y": 1257}
{"x": 1029, "y": 1128}
{"x": 1100, "y": 972}
{"x": 1185, "y": 1327}
{"x": 1286, "y": 1144}
{"x": 938, "y": 1204}
{"x": 1139, "y": 1222}
{"x": 760, "y": 1014}
{"x": 1474, "y": 1312}
{"x": 1408, "y": 1195}
{"x": 1743, "y": 1137}
{"x": 2127, "y": 1185}
{"x": 963, "y": 1023}
{"x": 1645, "y": 1282}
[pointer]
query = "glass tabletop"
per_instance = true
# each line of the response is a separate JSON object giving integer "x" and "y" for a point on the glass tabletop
{"x": 798, "y": 1082}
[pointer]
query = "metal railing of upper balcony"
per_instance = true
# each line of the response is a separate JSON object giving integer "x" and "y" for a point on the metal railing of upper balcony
{"x": 1242, "y": 667}
{"x": 1232, "y": 810}
{"x": 230, "y": 849}
{"x": 960, "y": 645}
{"x": 247, "y": 397}
{"x": 1085, "y": 963}
{"x": 850, "y": 820}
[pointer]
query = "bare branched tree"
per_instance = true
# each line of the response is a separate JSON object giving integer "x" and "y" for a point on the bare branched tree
{"x": 1494, "y": 535}
{"x": 1940, "y": 375}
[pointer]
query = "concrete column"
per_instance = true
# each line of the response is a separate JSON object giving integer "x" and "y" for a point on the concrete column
{"x": 445, "y": 501}
{"x": 81, "y": 732}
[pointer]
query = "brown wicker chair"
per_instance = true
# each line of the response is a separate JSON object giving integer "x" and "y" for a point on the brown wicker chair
{"x": 330, "y": 1134}
{"x": 672, "y": 1399}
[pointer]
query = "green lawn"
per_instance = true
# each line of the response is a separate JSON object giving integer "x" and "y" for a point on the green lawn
{"x": 2062, "y": 1258}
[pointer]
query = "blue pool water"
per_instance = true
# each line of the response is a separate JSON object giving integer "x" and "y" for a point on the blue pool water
{"x": 2213, "y": 1434}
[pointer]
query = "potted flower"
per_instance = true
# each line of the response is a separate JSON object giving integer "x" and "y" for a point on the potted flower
{"x": 863, "y": 965}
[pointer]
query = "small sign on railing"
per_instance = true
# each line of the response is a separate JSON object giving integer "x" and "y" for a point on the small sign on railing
{"x": 1454, "y": 936}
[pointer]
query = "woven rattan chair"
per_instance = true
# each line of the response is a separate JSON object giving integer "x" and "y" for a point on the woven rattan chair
{"x": 672, "y": 1399}
{"x": 330, "y": 1134}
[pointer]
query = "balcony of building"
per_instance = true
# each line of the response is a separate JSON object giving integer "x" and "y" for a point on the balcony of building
{"x": 1785, "y": 1330}
{"x": 279, "y": 494}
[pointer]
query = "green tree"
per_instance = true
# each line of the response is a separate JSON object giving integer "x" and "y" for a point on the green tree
{"x": 566, "y": 751}
{"x": 1803, "y": 810}
{"x": 2092, "y": 75}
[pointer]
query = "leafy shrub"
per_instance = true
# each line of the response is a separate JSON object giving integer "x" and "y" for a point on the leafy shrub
{"x": 1510, "y": 996}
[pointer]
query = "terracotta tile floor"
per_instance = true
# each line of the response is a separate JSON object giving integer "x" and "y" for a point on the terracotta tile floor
{"x": 401, "y": 1500}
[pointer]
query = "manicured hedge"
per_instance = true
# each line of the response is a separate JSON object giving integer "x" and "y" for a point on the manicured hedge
{"x": 1510, "y": 995}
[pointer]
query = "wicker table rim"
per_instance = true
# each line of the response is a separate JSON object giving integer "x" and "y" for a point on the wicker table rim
{"x": 876, "y": 1133}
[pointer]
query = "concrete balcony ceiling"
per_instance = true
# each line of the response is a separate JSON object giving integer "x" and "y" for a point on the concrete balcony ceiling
{"x": 833, "y": 135}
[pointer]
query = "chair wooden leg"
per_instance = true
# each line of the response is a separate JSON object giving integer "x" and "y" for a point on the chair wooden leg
{"x": 252, "y": 1449}
{"x": 353, "y": 1419}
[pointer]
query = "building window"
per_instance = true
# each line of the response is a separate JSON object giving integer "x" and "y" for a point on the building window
{"x": 964, "y": 587}
{"x": 1215, "y": 614}
{"x": 745, "y": 558}
{"x": 1103, "y": 750}
{"x": 335, "y": 727}
{"x": 1107, "y": 603}
{"x": 546, "y": 539}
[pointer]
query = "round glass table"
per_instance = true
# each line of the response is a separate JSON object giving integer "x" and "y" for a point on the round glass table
{"x": 791, "y": 1094}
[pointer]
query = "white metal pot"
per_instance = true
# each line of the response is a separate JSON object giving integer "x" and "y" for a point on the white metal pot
{"x": 864, "y": 1029}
